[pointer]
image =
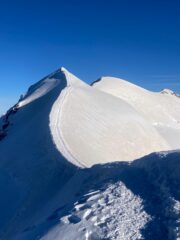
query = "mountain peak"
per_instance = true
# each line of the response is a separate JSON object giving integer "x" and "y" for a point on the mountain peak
{"x": 169, "y": 92}
{"x": 65, "y": 125}
{"x": 63, "y": 69}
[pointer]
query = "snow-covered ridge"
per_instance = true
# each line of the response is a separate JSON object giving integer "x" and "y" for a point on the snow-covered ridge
{"x": 62, "y": 124}
{"x": 101, "y": 118}
{"x": 159, "y": 109}
{"x": 117, "y": 201}
{"x": 41, "y": 88}
{"x": 146, "y": 102}
{"x": 90, "y": 115}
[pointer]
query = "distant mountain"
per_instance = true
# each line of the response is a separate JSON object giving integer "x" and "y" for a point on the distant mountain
{"x": 69, "y": 168}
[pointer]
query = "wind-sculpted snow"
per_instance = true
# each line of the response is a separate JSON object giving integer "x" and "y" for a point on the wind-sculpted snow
{"x": 112, "y": 213}
{"x": 30, "y": 165}
{"x": 119, "y": 201}
{"x": 102, "y": 123}
{"x": 162, "y": 110}
{"x": 41, "y": 88}
{"x": 90, "y": 127}
{"x": 62, "y": 124}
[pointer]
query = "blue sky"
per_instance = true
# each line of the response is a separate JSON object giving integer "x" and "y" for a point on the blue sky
{"x": 135, "y": 40}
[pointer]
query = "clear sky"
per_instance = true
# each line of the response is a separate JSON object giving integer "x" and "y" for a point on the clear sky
{"x": 138, "y": 40}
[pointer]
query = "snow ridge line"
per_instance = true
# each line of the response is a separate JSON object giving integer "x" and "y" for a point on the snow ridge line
{"x": 55, "y": 118}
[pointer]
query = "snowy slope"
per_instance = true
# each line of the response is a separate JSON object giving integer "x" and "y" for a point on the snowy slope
{"x": 118, "y": 201}
{"x": 82, "y": 114}
{"x": 160, "y": 109}
{"x": 61, "y": 124}
{"x": 95, "y": 127}
{"x": 30, "y": 165}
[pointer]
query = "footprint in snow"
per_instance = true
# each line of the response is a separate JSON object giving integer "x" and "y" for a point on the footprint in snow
{"x": 74, "y": 219}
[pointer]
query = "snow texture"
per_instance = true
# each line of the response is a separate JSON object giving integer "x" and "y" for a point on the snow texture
{"x": 68, "y": 167}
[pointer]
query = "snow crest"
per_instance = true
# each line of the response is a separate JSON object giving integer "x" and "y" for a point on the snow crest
{"x": 67, "y": 162}
{"x": 115, "y": 213}
{"x": 82, "y": 114}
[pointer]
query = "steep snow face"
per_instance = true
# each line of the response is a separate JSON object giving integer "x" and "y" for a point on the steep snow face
{"x": 162, "y": 110}
{"x": 31, "y": 167}
{"x": 41, "y": 88}
{"x": 89, "y": 127}
{"x": 62, "y": 123}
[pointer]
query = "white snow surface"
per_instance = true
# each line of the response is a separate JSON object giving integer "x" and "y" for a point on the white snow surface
{"x": 118, "y": 201}
{"x": 42, "y": 89}
{"x": 114, "y": 213}
{"x": 159, "y": 109}
{"x": 90, "y": 126}
{"x": 62, "y": 124}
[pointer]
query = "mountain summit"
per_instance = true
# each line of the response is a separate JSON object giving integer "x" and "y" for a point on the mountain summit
{"x": 52, "y": 138}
